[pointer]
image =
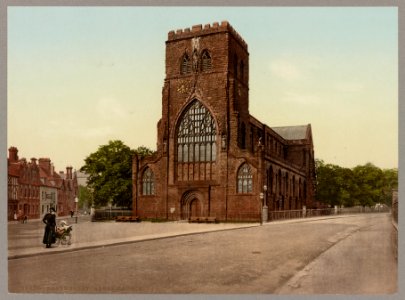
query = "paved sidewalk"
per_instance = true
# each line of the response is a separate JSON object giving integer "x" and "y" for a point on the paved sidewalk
{"x": 87, "y": 235}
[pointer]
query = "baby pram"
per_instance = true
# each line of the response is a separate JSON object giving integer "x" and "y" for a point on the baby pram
{"x": 63, "y": 233}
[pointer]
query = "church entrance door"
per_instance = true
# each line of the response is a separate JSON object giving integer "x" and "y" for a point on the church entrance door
{"x": 191, "y": 205}
{"x": 195, "y": 208}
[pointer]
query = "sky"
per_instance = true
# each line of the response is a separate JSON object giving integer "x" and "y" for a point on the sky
{"x": 78, "y": 77}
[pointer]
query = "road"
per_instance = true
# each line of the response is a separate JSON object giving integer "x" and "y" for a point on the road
{"x": 278, "y": 258}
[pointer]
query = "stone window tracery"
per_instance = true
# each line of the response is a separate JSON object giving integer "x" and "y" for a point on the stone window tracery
{"x": 245, "y": 179}
{"x": 196, "y": 136}
{"x": 196, "y": 142}
{"x": 148, "y": 182}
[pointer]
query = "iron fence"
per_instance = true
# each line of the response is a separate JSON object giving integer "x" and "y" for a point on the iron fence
{"x": 306, "y": 213}
{"x": 106, "y": 214}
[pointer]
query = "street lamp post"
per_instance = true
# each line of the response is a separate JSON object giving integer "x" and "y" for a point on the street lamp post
{"x": 265, "y": 208}
{"x": 261, "y": 208}
{"x": 76, "y": 203}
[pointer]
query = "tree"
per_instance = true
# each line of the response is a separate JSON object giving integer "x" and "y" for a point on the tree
{"x": 334, "y": 184}
{"x": 110, "y": 173}
{"x": 390, "y": 182}
{"x": 143, "y": 151}
{"x": 363, "y": 185}
{"x": 85, "y": 197}
{"x": 369, "y": 181}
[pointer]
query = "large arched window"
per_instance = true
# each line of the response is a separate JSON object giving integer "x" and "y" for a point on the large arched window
{"x": 245, "y": 179}
{"x": 196, "y": 143}
{"x": 206, "y": 61}
{"x": 148, "y": 182}
{"x": 185, "y": 64}
{"x": 196, "y": 135}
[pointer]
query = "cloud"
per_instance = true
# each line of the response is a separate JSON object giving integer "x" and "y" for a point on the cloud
{"x": 348, "y": 87}
{"x": 298, "y": 98}
{"x": 95, "y": 132}
{"x": 111, "y": 109}
{"x": 285, "y": 69}
{"x": 71, "y": 129}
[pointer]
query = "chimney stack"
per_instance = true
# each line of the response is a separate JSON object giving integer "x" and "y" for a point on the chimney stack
{"x": 69, "y": 172}
{"x": 13, "y": 154}
{"x": 45, "y": 163}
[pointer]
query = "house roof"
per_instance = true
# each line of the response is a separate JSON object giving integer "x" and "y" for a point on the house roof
{"x": 14, "y": 170}
{"x": 49, "y": 178}
{"x": 292, "y": 132}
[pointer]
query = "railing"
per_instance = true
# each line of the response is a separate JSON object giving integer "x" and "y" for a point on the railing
{"x": 305, "y": 213}
{"x": 302, "y": 213}
{"x": 106, "y": 214}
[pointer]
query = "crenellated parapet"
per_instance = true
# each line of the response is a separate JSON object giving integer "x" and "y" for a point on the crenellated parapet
{"x": 196, "y": 30}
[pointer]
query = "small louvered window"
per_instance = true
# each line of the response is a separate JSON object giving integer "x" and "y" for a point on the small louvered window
{"x": 206, "y": 61}
{"x": 185, "y": 65}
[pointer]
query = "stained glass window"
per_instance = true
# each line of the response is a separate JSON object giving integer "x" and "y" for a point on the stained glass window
{"x": 196, "y": 135}
{"x": 244, "y": 179}
{"x": 148, "y": 182}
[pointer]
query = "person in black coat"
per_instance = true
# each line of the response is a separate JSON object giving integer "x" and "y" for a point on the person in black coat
{"x": 50, "y": 220}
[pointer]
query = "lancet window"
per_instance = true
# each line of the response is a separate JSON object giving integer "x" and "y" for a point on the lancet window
{"x": 185, "y": 64}
{"x": 206, "y": 61}
{"x": 148, "y": 182}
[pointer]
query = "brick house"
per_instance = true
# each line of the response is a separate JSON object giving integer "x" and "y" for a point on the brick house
{"x": 34, "y": 187}
{"x": 68, "y": 190}
{"x": 213, "y": 158}
{"x": 23, "y": 186}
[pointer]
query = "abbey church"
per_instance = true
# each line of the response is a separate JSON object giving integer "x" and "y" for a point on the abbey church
{"x": 213, "y": 158}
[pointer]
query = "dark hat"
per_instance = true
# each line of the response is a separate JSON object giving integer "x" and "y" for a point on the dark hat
{"x": 52, "y": 209}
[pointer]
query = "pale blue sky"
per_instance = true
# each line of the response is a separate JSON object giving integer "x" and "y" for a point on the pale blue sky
{"x": 79, "y": 77}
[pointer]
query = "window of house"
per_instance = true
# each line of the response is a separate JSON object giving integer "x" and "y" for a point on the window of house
{"x": 148, "y": 182}
{"x": 245, "y": 179}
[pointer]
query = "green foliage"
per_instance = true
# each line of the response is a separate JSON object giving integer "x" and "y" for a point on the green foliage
{"x": 85, "y": 197}
{"x": 110, "y": 173}
{"x": 363, "y": 185}
{"x": 143, "y": 151}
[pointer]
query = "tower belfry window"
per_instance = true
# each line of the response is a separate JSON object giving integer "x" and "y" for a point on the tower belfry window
{"x": 185, "y": 64}
{"x": 206, "y": 61}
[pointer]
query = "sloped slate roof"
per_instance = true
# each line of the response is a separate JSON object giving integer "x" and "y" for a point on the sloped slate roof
{"x": 292, "y": 132}
{"x": 14, "y": 170}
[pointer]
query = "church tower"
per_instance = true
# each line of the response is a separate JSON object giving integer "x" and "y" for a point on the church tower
{"x": 207, "y": 71}
{"x": 213, "y": 158}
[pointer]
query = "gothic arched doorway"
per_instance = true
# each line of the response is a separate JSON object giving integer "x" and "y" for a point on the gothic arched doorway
{"x": 191, "y": 205}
